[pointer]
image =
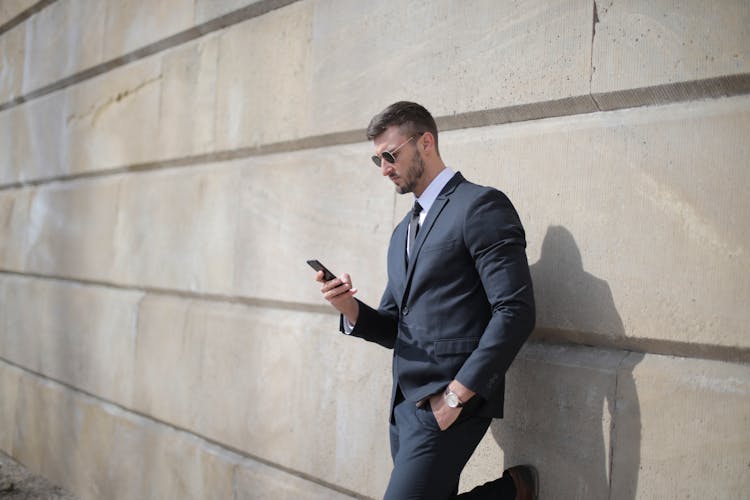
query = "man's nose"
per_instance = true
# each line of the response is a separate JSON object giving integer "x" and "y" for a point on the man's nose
{"x": 385, "y": 167}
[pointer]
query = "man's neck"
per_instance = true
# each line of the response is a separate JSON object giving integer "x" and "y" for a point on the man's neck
{"x": 430, "y": 174}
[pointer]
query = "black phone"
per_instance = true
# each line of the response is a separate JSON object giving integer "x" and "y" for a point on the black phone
{"x": 327, "y": 275}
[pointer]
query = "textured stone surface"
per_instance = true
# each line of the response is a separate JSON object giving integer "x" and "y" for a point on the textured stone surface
{"x": 316, "y": 81}
{"x": 32, "y": 144}
{"x": 132, "y": 24}
{"x": 265, "y": 78}
{"x": 197, "y": 365}
{"x": 310, "y": 205}
{"x": 559, "y": 412}
{"x": 206, "y": 373}
{"x": 299, "y": 92}
{"x": 10, "y": 381}
{"x": 14, "y": 222}
{"x": 691, "y": 419}
{"x": 230, "y": 228}
{"x": 452, "y": 59}
{"x": 643, "y": 43}
{"x": 226, "y": 228}
{"x": 206, "y": 10}
{"x": 313, "y": 84}
{"x": 12, "y": 44}
{"x": 177, "y": 229}
{"x": 70, "y": 229}
{"x": 257, "y": 482}
{"x": 9, "y": 9}
{"x": 188, "y": 98}
{"x": 635, "y": 229}
{"x": 570, "y": 410}
{"x": 113, "y": 120}
{"x": 636, "y": 223}
{"x": 81, "y": 442}
{"x": 90, "y": 32}
{"x": 80, "y": 335}
{"x": 9, "y": 139}
{"x": 62, "y": 39}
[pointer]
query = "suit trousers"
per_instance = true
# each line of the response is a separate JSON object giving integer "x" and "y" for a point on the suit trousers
{"x": 427, "y": 462}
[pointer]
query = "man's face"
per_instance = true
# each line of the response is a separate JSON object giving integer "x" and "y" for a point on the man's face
{"x": 408, "y": 170}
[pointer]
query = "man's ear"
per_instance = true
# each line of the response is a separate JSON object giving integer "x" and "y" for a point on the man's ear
{"x": 428, "y": 142}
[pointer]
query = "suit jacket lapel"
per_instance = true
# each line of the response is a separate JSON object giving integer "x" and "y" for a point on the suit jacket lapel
{"x": 432, "y": 216}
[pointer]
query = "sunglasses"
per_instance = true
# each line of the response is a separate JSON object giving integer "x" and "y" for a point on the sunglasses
{"x": 391, "y": 156}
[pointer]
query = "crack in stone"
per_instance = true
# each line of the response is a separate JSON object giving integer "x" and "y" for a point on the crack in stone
{"x": 593, "y": 36}
{"x": 96, "y": 110}
{"x": 592, "y": 67}
{"x": 596, "y": 21}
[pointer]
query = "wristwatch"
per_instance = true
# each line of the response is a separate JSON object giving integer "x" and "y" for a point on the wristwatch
{"x": 451, "y": 399}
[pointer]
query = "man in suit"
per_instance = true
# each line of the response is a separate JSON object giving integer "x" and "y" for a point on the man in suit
{"x": 457, "y": 308}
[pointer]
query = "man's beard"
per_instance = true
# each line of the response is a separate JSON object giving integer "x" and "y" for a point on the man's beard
{"x": 412, "y": 175}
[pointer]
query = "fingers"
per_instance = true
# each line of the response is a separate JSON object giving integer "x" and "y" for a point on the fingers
{"x": 334, "y": 288}
{"x": 344, "y": 280}
{"x": 444, "y": 414}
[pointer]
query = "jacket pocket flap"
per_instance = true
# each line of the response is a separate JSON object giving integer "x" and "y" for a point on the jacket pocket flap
{"x": 440, "y": 245}
{"x": 456, "y": 346}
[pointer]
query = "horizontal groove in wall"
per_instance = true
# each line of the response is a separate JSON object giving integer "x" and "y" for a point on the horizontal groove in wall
{"x": 545, "y": 335}
{"x": 721, "y": 86}
{"x": 207, "y": 440}
{"x": 713, "y": 88}
{"x": 568, "y": 106}
{"x": 204, "y": 297}
{"x": 318, "y": 141}
{"x": 21, "y": 17}
{"x": 645, "y": 345}
{"x": 709, "y": 88}
{"x": 254, "y": 10}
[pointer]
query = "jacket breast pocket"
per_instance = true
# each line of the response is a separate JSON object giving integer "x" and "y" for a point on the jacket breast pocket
{"x": 449, "y": 347}
{"x": 438, "y": 246}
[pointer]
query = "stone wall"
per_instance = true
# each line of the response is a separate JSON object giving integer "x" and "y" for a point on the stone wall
{"x": 167, "y": 166}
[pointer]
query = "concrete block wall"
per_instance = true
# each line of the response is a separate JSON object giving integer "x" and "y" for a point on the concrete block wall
{"x": 166, "y": 168}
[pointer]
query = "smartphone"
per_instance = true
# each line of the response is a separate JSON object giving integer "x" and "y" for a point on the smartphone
{"x": 327, "y": 275}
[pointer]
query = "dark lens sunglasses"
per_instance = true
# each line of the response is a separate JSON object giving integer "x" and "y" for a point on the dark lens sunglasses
{"x": 390, "y": 156}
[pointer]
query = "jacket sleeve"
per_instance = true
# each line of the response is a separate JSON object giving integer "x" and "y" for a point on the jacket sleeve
{"x": 496, "y": 241}
{"x": 377, "y": 325}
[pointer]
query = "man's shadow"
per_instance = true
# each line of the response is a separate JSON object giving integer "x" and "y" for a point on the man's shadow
{"x": 563, "y": 398}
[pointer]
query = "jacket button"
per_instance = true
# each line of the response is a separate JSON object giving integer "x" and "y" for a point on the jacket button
{"x": 405, "y": 311}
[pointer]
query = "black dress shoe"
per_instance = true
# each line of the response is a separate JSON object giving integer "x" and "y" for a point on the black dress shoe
{"x": 526, "y": 481}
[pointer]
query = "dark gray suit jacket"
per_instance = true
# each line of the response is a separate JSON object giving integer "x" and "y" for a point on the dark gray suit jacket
{"x": 463, "y": 305}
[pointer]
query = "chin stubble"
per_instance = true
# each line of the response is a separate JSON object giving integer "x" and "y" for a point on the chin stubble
{"x": 413, "y": 174}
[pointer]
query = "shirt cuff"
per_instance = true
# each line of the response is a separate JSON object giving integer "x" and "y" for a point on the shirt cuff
{"x": 348, "y": 326}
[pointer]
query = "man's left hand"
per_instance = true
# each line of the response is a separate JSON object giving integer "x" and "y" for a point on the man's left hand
{"x": 444, "y": 414}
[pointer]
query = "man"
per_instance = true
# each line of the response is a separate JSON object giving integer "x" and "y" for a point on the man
{"x": 458, "y": 306}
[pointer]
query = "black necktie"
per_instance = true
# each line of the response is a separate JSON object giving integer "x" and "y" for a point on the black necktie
{"x": 413, "y": 226}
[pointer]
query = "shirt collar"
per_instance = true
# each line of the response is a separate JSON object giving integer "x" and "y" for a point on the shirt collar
{"x": 433, "y": 190}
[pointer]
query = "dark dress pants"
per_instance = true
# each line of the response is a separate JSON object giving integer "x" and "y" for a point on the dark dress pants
{"x": 427, "y": 462}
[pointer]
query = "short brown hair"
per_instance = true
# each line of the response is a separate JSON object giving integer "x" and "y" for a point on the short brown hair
{"x": 410, "y": 117}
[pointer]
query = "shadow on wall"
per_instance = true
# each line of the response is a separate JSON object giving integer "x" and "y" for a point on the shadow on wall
{"x": 563, "y": 401}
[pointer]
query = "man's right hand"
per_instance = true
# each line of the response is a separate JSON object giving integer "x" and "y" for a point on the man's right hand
{"x": 340, "y": 293}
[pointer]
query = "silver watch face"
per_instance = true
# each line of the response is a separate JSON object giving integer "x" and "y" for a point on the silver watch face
{"x": 451, "y": 399}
